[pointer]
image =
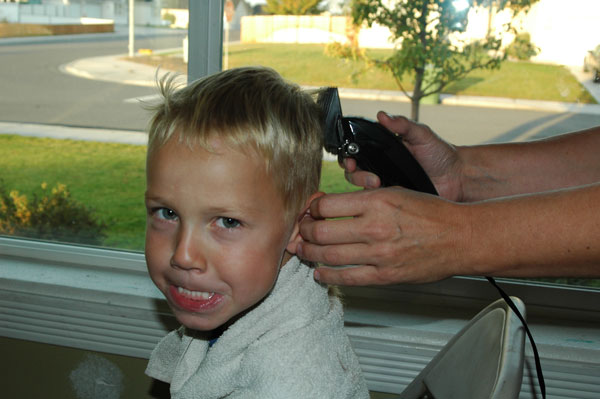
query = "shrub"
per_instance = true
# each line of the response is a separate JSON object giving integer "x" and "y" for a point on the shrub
{"x": 52, "y": 214}
{"x": 170, "y": 18}
{"x": 521, "y": 48}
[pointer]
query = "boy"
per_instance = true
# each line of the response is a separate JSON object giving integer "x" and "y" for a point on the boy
{"x": 233, "y": 162}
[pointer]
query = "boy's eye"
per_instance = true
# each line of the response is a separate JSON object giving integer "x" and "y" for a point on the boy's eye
{"x": 165, "y": 213}
{"x": 228, "y": 223}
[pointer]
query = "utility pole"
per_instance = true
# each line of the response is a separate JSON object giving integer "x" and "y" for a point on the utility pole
{"x": 131, "y": 32}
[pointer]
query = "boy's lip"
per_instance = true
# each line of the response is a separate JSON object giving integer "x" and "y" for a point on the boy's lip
{"x": 194, "y": 301}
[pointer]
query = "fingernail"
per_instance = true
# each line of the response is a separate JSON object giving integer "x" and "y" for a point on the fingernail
{"x": 371, "y": 181}
{"x": 316, "y": 275}
{"x": 299, "y": 250}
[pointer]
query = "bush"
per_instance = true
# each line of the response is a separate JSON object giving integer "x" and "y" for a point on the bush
{"x": 170, "y": 18}
{"x": 521, "y": 48}
{"x": 52, "y": 214}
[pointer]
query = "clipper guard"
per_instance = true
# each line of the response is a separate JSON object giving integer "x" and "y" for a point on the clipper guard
{"x": 374, "y": 148}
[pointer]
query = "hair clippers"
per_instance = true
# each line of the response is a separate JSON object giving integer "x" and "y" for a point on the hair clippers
{"x": 375, "y": 149}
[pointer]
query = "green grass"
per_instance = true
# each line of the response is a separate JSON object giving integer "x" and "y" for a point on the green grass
{"x": 524, "y": 80}
{"x": 307, "y": 64}
{"x": 109, "y": 178}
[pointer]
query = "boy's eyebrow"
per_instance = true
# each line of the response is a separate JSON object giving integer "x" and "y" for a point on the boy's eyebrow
{"x": 236, "y": 208}
{"x": 149, "y": 197}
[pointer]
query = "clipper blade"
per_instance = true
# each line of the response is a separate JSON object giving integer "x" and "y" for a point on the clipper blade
{"x": 329, "y": 101}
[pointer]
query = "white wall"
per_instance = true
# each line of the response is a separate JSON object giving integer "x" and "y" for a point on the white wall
{"x": 563, "y": 30}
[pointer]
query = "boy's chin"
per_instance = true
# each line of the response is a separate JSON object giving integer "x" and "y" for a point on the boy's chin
{"x": 196, "y": 324}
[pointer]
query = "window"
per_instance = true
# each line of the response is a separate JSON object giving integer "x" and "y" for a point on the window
{"x": 124, "y": 312}
{"x": 67, "y": 86}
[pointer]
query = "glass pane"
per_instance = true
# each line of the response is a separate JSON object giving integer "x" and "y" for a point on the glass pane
{"x": 522, "y": 100}
{"x": 541, "y": 89}
{"x": 72, "y": 147}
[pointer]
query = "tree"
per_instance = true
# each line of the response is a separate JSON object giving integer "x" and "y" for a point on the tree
{"x": 428, "y": 39}
{"x": 293, "y": 7}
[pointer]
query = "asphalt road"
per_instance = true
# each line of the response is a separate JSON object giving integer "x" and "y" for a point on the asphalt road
{"x": 33, "y": 88}
{"x": 463, "y": 125}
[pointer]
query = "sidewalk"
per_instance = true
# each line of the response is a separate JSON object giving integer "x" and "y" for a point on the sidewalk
{"x": 116, "y": 69}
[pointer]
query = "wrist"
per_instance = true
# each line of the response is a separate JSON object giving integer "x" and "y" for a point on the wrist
{"x": 478, "y": 178}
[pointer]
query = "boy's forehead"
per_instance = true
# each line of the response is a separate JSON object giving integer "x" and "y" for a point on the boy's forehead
{"x": 225, "y": 161}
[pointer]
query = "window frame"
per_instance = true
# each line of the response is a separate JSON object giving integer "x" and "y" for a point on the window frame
{"x": 102, "y": 299}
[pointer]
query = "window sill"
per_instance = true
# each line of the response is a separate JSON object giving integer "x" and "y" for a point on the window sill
{"x": 103, "y": 300}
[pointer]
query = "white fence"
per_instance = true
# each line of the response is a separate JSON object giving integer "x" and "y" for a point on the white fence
{"x": 53, "y": 13}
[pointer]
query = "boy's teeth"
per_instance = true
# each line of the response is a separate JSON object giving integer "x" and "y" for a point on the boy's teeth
{"x": 195, "y": 294}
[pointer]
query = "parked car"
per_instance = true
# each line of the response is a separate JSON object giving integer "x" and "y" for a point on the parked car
{"x": 591, "y": 63}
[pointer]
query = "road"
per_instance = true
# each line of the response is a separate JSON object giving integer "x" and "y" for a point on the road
{"x": 465, "y": 125}
{"x": 33, "y": 89}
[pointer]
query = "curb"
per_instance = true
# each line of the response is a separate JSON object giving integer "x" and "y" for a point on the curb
{"x": 116, "y": 70}
{"x": 74, "y": 133}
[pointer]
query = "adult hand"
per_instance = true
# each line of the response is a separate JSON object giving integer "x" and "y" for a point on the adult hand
{"x": 438, "y": 158}
{"x": 390, "y": 235}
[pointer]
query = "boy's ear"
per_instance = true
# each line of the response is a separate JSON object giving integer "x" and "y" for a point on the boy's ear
{"x": 296, "y": 238}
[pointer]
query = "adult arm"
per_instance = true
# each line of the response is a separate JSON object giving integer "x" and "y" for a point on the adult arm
{"x": 497, "y": 170}
{"x": 472, "y": 173}
{"x": 395, "y": 235}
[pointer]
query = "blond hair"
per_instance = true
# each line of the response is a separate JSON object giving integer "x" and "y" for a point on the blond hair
{"x": 249, "y": 108}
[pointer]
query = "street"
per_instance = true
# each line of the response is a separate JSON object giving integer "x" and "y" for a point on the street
{"x": 463, "y": 125}
{"x": 33, "y": 89}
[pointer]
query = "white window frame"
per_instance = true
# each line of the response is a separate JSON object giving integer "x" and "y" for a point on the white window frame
{"x": 103, "y": 300}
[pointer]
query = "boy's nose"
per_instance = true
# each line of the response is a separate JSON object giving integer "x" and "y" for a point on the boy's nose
{"x": 187, "y": 254}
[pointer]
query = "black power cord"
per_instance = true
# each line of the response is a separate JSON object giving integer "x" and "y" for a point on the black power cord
{"x": 536, "y": 356}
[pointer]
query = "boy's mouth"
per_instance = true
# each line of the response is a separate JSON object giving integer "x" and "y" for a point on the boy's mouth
{"x": 194, "y": 301}
{"x": 200, "y": 295}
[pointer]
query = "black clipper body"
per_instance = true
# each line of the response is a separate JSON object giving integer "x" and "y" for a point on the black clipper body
{"x": 374, "y": 148}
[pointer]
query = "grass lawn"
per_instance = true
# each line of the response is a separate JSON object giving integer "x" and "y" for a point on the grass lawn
{"x": 109, "y": 178}
{"x": 307, "y": 64}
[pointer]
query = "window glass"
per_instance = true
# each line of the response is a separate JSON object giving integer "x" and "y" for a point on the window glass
{"x": 56, "y": 84}
{"x": 72, "y": 146}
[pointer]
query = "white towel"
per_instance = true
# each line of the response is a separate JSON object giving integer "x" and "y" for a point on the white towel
{"x": 292, "y": 345}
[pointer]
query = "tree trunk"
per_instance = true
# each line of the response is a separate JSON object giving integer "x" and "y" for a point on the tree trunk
{"x": 414, "y": 108}
{"x": 417, "y": 94}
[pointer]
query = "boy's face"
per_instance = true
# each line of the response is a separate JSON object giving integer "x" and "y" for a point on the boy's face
{"x": 216, "y": 233}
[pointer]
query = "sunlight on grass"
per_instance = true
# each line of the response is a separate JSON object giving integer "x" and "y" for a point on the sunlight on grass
{"x": 307, "y": 64}
{"x": 110, "y": 178}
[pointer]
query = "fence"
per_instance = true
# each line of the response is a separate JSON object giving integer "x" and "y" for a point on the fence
{"x": 54, "y": 14}
{"x": 294, "y": 29}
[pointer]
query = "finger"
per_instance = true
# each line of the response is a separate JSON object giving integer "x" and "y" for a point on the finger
{"x": 336, "y": 255}
{"x": 339, "y": 205}
{"x": 412, "y": 133}
{"x": 357, "y": 275}
{"x": 363, "y": 179}
{"x": 398, "y": 124}
{"x": 349, "y": 165}
{"x": 328, "y": 232}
